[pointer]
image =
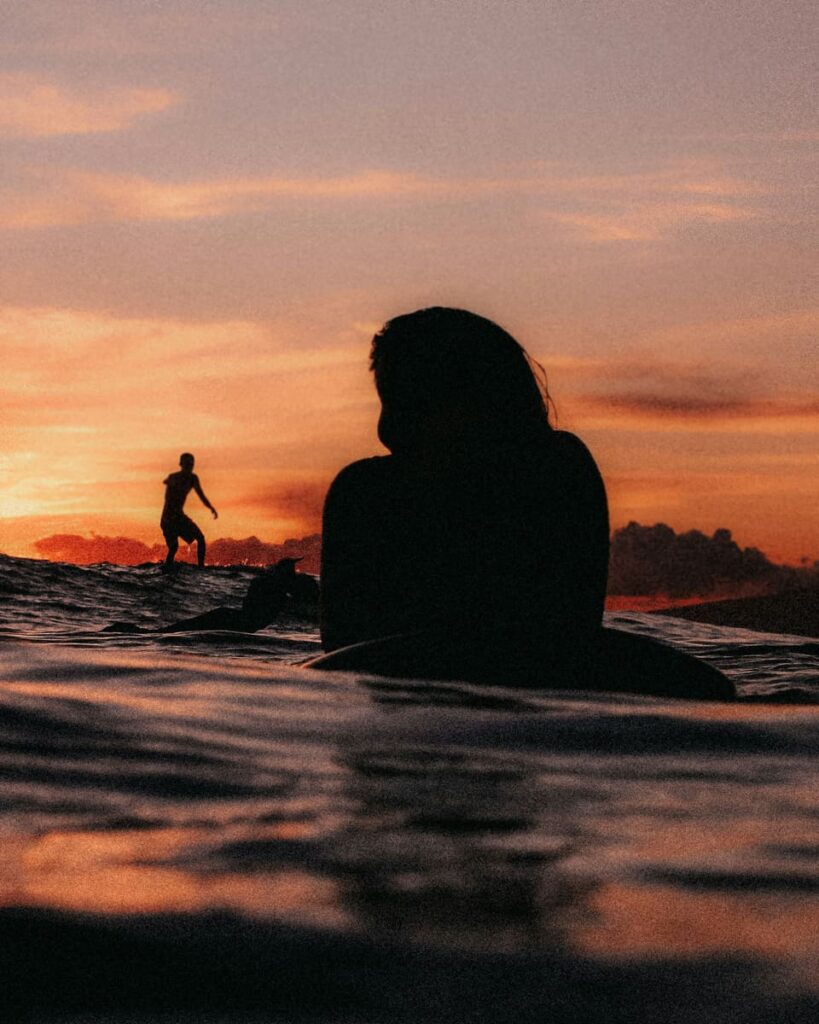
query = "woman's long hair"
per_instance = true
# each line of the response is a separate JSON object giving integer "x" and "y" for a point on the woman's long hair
{"x": 428, "y": 361}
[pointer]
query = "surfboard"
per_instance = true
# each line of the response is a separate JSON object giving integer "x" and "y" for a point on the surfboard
{"x": 622, "y": 663}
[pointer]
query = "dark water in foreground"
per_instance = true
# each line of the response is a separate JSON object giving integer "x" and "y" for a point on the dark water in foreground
{"x": 193, "y": 830}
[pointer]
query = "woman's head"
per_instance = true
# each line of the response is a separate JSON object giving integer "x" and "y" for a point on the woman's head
{"x": 450, "y": 375}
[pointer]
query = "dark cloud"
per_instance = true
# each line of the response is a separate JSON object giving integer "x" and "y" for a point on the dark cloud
{"x": 703, "y": 406}
{"x": 671, "y": 405}
{"x": 685, "y": 388}
{"x": 651, "y": 373}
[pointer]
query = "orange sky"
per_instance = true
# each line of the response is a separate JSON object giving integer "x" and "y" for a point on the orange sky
{"x": 207, "y": 208}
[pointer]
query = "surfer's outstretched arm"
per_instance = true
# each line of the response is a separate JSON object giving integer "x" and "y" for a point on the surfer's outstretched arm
{"x": 198, "y": 488}
{"x": 221, "y": 618}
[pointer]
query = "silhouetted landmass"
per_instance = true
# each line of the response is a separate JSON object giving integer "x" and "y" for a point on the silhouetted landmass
{"x": 656, "y": 560}
{"x": 252, "y": 551}
{"x": 71, "y": 547}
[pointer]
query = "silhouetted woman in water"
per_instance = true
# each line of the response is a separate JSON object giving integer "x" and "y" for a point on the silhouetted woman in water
{"x": 477, "y": 549}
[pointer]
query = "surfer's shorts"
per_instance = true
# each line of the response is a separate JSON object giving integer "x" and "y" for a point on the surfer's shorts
{"x": 180, "y": 526}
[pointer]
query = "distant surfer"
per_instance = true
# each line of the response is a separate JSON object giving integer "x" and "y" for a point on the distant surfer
{"x": 174, "y": 522}
{"x": 267, "y": 596}
{"x": 280, "y": 588}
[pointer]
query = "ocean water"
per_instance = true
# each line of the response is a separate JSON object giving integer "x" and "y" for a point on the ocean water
{"x": 194, "y": 829}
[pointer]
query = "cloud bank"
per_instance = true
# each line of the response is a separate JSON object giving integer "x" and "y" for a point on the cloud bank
{"x": 35, "y": 107}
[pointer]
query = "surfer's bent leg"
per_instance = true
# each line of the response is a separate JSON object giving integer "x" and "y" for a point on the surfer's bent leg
{"x": 200, "y": 548}
{"x": 173, "y": 547}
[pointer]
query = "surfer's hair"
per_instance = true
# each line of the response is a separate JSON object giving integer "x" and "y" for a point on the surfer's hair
{"x": 186, "y": 457}
{"x": 425, "y": 360}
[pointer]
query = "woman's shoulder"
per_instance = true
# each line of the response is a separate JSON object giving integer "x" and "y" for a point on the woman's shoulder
{"x": 567, "y": 443}
{"x": 375, "y": 465}
{"x": 564, "y": 449}
{"x": 569, "y": 458}
{"x": 361, "y": 473}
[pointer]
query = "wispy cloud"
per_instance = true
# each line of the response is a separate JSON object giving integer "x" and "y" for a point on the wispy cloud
{"x": 646, "y": 206}
{"x": 604, "y": 208}
{"x": 648, "y": 222}
{"x": 74, "y": 197}
{"x": 34, "y": 107}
